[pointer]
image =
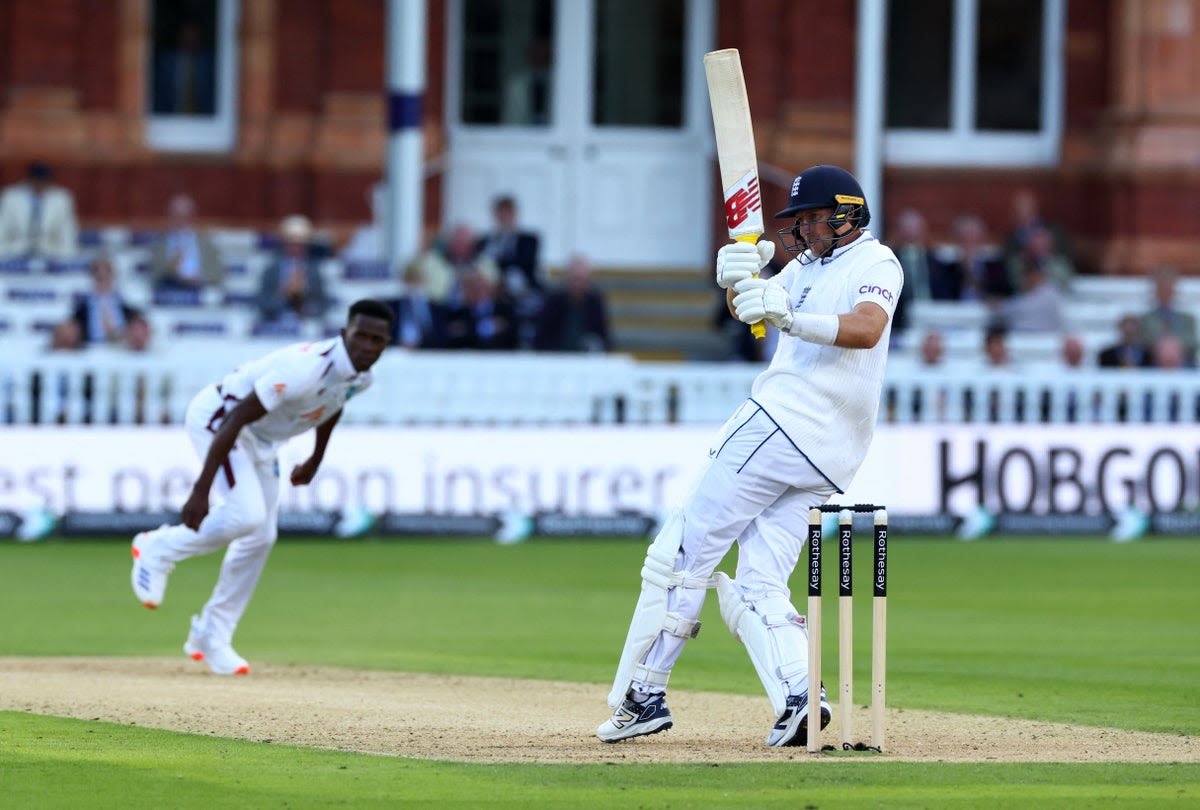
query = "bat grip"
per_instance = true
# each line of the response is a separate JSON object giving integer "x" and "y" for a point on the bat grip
{"x": 759, "y": 330}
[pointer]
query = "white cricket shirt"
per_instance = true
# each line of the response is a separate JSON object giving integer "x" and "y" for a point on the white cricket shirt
{"x": 301, "y": 386}
{"x": 826, "y": 398}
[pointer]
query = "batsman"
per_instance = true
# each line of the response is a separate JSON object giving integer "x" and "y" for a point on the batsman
{"x": 798, "y": 439}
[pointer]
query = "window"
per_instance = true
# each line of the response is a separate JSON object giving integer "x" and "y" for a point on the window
{"x": 507, "y": 62}
{"x": 191, "y": 88}
{"x": 637, "y": 79}
{"x": 975, "y": 82}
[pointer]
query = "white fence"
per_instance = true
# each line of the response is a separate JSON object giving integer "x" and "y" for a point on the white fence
{"x": 468, "y": 388}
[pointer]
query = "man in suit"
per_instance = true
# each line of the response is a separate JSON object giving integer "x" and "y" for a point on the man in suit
{"x": 420, "y": 322}
{"x": 972, "y": 269}
{"x": 101, "y": 315}
{"x": 1167, "y": 318}
{"x": 483, "y": 320}
{"x": 37, "y": 218}
{"x": 1131, "y": 351}
{"x": 185, "y": 257}
{"x": 292, "y": 288}
{"x": 574, "y": 318}
{"x": 515, "y": 251}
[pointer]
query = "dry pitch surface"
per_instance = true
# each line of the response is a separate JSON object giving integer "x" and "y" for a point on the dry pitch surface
{"x": 472, "y": 719}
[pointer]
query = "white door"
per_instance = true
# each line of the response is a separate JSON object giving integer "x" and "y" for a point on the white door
{"x": 594, "y": 115}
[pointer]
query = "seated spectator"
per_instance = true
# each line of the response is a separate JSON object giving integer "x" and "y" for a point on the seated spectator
{"x": 1073, "y": 353}
{"x": 420, "y": 323}
{"x": 483, "y": 320}
{"x": 995, "y": 347}
{"x": 1037, "y": 307}
{"x": 1169, "y": 352}
{"x": 1130, "y": 351}
{"x": 37, "y": 218}
{"x": 1039, "y": 249}
{"x": 514, "y": 251}
{"x": 66, "y": 336}
{"x": 448, "y": 259}
{"x": 1167, "y": 318}
{"x": 101, "y": 315}
{"x": 292, "y": 288}
{"x": 184, "y": 257}
{"x": 972, "y": 267}
{"x": 933, "y": 349}
{"x": 574, "y": 317}
{"x": 137, "y": 333}
{"x": 1027, "y": 219}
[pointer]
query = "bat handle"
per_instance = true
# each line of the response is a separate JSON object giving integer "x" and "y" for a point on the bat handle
{"x": 759, "y": 330}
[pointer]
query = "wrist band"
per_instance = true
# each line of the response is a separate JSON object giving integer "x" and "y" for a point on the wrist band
{"x": 821, "y": 329}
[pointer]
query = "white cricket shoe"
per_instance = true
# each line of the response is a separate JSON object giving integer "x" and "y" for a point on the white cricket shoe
{"x": 792, "y": 726}
{"x": 633, "y": 719}
{"x": 221, "y": 658}
{"x": 149, "y": 577}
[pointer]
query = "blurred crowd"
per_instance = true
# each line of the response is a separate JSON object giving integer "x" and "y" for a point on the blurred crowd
{"x": 483, "y": 286}
{"x": 1025, "y": 284}
{"x": 474, "y": 287}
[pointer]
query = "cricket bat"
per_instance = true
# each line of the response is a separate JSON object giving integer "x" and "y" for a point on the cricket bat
{"x": 735, "y": 149}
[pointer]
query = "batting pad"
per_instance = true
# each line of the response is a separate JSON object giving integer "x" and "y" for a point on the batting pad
{"x": 774, "y": 635}
{"x": 650, "y": 616}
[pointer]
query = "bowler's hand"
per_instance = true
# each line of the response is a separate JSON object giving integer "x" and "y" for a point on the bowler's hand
{"x": 303, "y": 473}
{"x": 195, "y": 509}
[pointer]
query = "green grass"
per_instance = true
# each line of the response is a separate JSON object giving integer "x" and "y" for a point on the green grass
{"x": 1052, "y": 629}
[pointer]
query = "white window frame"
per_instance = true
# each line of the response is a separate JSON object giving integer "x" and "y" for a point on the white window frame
{"x": 205, "y": 133}
{"x": 962, "y": 144}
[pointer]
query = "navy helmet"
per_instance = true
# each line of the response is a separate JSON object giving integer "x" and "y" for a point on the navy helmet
{"x": 825, "y": 187}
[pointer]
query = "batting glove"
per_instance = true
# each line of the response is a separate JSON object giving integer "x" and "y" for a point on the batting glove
{"x": 742, "y": 260}
{"x": 758, "y": 299}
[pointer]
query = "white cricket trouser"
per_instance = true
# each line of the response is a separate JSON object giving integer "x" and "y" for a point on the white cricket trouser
{"x": 756, "y": 489}
{"x": 242, "y": 519}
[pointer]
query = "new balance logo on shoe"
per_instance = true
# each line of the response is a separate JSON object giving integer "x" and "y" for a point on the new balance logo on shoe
{"x": 633, "y": 719}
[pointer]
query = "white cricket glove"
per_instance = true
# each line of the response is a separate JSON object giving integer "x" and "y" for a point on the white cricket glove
{"x": 759, "y": 299}
{"x": 742, "y": 260}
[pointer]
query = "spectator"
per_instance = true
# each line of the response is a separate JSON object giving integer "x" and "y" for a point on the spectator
{"x": 101, "y": 315}
{"x": 482, "y": 320}
{"x": 137, "y": 333}
{"x": 995, "y": 347}
{"x": 185, "y": 258}
{"x": 1167, "y": 318}
{"x": 1027, "y": 219}
{"x": 1039, "y": 249}
{"x": 1130, "y": 351}
{"x": 1073, "y": 352}
{"x": 292, "y": 288}
{"x": 574, "y": 317}
{"x": 1038, "y": 307}
{"x": 420, "y": 323}
{"x": 66, "y": 336}
{"x": 933, "y": 349}
{"x": 514, "y": 251}
{"x": 973, "y": 268}
{"x": 37, "y": 218}
{"x": 448, "y": 259}
{"x": 1169, "y": 352}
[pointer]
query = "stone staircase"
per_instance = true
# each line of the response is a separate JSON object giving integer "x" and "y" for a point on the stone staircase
{"x": 663, "y": 314}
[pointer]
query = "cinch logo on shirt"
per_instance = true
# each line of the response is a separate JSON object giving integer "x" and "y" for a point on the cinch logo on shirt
{"x": 875, "y": 288}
